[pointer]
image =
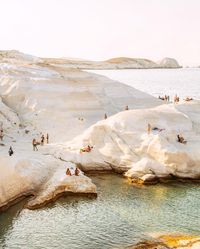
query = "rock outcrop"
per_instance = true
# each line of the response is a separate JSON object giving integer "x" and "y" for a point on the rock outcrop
{"x": 169, "y": 63}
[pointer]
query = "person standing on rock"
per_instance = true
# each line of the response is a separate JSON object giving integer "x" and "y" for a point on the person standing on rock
{"x": 1, "y": 134}
{"x": 148, "y": 128}
{"x": 105, "y": 116}
{"x": 42, "y": 140}
{"x": 34, "y": 143}
{"x": 47, "y": 137}
{"x": 10, "y": 152}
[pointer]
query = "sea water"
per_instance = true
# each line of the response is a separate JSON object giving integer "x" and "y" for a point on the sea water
{"x": 158, "y": 82}
{"x": 121, "y": 215}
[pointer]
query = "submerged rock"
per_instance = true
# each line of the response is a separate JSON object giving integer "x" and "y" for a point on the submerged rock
{"x": 170, "y": 242}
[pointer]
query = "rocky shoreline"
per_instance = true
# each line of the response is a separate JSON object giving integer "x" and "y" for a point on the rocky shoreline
{"x": 69, "y": 104}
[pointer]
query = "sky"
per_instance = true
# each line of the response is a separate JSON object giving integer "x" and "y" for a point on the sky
{"x": 102, "y": 29}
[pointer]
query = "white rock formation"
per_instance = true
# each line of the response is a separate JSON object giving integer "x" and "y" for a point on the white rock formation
{"x": 38, "y": 98}
{"x": 14, "y": 56}
{"x": 121, "y": 143}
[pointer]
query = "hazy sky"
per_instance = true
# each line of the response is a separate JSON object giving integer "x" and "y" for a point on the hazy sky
{"x": 100, "y": 29}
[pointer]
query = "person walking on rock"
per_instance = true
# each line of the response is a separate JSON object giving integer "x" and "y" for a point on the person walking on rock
{"x": 34, "y": 143}
{"x": 10, "y": 152}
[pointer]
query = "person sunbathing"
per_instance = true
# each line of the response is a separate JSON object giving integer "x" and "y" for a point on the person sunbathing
{"x": 162, "y": 98}
{"x": 86, "y": 149}
{"x": 68, "y": 172}
{"x": 188, "y": 99}
{"x": 181, "y": 139}
{"x": 157, "y": 129}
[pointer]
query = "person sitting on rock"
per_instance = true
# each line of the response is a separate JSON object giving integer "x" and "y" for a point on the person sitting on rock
{"x": 68, "y": 172}
{"x": 126, "y": 108}
{"x": 34, "y": 143}
{"x": 76, "y": 172}
{"x": 42, "y": 140}
{"x": 10, "y": 152}
{"x": 181, "y": 139}
{"x": 86, "y": 149}
{"x": 176, "y": 99}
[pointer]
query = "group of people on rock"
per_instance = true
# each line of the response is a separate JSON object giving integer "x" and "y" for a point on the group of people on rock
{"x": 35, "y": 143}
{"x": 166, "y": 98}
{"x": 76, "y": 172}
{"x": 176, "y": 98}
{"x": 180, "y": 138}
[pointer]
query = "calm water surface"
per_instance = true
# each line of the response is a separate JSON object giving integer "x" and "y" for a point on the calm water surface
{"x": 184, "y": 81}
{"x": 121, "y": 215}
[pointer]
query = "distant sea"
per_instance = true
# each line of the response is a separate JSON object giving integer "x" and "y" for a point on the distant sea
{"x": 184, "y": 81}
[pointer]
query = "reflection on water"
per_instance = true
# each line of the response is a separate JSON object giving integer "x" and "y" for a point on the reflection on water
{"x": 121, "y": 215}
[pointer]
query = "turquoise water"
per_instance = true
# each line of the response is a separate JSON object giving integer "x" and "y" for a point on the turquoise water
{"x": 122, "y": 215}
